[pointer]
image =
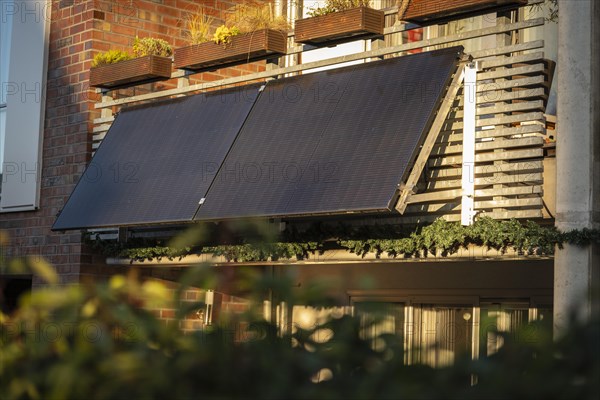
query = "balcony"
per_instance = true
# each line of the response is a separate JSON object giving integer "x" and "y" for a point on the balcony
{"x": 513, "y": 167}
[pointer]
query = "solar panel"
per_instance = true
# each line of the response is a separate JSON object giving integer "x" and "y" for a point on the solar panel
{"x": 331, "y": 142}
{"x": 157, "y": 161}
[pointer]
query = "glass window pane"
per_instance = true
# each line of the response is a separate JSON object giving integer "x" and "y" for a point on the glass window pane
{"x": 442, "y": 333}
{"x": 5, "y": 35}
{"x": 2, "y": 134}
{"x": 378, "y": 319}
{"x": 498, "y": 319}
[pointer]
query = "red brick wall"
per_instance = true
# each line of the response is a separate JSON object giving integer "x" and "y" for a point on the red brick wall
{"x": 79, "y": 29}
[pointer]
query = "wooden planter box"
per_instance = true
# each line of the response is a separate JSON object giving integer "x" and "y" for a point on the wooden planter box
{"x": 427, "y": 11}
{"x": 131, "y": 72}
{"x": 243, "y": 48}
{"x": 343, "y": 26}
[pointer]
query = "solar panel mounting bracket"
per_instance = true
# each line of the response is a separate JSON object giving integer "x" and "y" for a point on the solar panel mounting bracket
{"x": 407, "y": 188}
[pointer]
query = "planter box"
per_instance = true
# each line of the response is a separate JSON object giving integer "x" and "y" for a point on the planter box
{"x": 343, "y": 26}
{"x": 427, "y": 11}
{"x": 243, "y": 48}
{"x": 131, "y": 72}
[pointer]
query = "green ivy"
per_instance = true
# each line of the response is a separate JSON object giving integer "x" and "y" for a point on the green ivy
{"x": 440, "y": 237}
{"x": 263, "y": 251}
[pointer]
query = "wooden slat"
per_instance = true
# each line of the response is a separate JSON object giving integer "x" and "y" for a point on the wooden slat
{"x": 99, "y": 137}
{"x": 534, "y": 69}
{"x": 521, "y": 214}
{"x": 453, "y": 173}
{"x": 510, "y": 203}
{"x": 103, "y": 120}
{"x": 479, "y": 205}
{"x": 537, "y": 80}
{"x": 456, "y": 217}
{"x": 534, "y": 177}
{"x": 488, "y": 157}
{"x": 441, "y": 149}
{"x": 494, "y": 133}
{"x": 511, "y": 107}
{"x": 496, "y": 51}
{"x": 505, "y": 108}
{"x": 486, "y": 98}
{"x": 504, "y": 61}
{"x": 479, "y": 193}
{"x": 101, "y": 128}
{"x": 507, "y": 119}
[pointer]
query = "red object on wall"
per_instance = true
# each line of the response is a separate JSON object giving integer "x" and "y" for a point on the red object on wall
{"x": 415, "y": 35}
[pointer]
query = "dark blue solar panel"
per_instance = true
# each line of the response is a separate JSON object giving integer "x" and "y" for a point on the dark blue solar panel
{"x": 157, "y": 161}
{"x": 331, "y": 142}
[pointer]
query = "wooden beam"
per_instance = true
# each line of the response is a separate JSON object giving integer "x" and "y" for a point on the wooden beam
{"x": 533, "y": 202}
{"x": 496, "y": 51}
{"x": 505, "y": 61}
{"x": 434, "y": 131}
{"x": 448, "y": 136}
{"x": 483, "y": 181}
{"x": 532, "y": 213}
{"x": 505, "y": 108}
{"x": 443, "y": 150}
{"x": 479, "y": 193}
{"x": 439, "y": 174}
{"x": 506, "y": 119}
{"x": 537, "y": 80}
{"x": 488, "y": 157}
{"x": 504, "y": 73}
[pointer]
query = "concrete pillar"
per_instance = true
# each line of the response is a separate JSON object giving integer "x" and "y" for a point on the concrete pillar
{"x": 577, "y": 157}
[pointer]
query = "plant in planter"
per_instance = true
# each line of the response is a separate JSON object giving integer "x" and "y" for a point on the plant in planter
{"x": 250, "y": 33}
{"x": 150, "y": 62}
{"x": 340, "y": 21}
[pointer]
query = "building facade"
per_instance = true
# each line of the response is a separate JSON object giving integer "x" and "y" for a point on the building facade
{"x": 450, "y": 303}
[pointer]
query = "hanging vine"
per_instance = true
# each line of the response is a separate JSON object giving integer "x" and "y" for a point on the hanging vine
{"x": 440, "y": 237}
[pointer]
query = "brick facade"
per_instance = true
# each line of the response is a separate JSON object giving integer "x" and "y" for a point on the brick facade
{"x": 79, "y": 29}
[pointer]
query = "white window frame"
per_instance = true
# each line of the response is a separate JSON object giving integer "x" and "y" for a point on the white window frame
{"x": 25, "y": 103}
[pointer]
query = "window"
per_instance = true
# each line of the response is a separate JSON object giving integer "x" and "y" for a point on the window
{"x": 442, "y": 333}
{"x": 23, "y": 68}
{"x": 438, "y": 333}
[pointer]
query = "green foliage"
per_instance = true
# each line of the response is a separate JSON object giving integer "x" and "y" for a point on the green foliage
{"x": 253, "y": 17}
{"x": 263, "y": 251}
{"x": 223, "y": 34}
{"x": 141, "y": 47}
{"x": 332, "y": 6}
{"x": 110, "y": 57}
{"x": 440, "y": 237}
{"x": 151, "y": 47}
{"x": 198, "y": 27}
{"x": 101, "y": 342}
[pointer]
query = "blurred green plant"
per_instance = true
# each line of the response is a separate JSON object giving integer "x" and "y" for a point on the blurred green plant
{"x": 149, "y": 46}
{"x": 101, "y": 341}
{"x": 198, "y": 27}
{"x": 332, "y": 6}
{"x": 250, "y": 18}
{"x": 112, "y": 56}
{"x": 141, "y": 47}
